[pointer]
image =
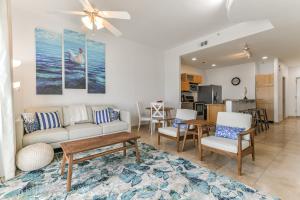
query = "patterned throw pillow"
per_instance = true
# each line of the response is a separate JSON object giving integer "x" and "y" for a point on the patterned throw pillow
{"x": 30, "y": 122}
{"x": 114, "y": 114}
{"x": 228, "y": 132}
{"x": 102, "y": 116}
{"x": 48, "y": 120}
{"x": 176, "y": 123}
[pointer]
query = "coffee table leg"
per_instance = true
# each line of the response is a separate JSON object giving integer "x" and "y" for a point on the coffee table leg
{"x": 184, "y": 138}
{"x": 63, "y": 164}
{"x": 137, "y": 153}
{"x": 69, "y": 178}
{"x": 124, "y": 145}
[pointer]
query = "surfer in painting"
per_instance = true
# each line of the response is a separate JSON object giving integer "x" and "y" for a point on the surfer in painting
{"x": 78, "y": 59}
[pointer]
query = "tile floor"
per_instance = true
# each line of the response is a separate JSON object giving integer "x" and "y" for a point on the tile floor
{"x": 276, "y": 169}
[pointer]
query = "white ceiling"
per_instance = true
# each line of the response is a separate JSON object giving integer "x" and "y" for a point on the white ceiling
{"x": 157, "y": 23}
{"x": 168, "y": 23}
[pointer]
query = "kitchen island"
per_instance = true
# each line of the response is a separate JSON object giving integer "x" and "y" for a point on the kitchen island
{"x": 237, "y": 105}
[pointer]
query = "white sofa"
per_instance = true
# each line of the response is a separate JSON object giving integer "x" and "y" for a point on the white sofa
{"x": 83, "y": 129}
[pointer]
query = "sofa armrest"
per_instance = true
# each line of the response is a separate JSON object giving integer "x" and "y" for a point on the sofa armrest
{"x": 125, "y": 116}
{"x": 19, "y": 133}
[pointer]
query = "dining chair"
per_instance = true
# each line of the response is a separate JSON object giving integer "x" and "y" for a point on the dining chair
{"x": 142, "y": 116}
{"x": 157, "y": 114}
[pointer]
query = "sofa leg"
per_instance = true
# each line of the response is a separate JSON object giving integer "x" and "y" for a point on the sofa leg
{"x": 158, "y": 139}
{"x": 239, "y": 164}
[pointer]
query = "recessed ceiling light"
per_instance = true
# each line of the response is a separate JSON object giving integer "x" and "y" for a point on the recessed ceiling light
{"x": 265, "y": 57}
{"x": 213, "y": 65}
{"x": 194, "y": 59}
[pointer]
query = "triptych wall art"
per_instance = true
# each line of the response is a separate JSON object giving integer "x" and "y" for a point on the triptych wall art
{"x": 48, "y": 62}
{"x": 82, "y": 57}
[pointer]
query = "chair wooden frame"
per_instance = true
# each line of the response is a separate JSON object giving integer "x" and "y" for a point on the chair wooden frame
{"x": 240, "y": 154}
{"x": 178, "y": 138}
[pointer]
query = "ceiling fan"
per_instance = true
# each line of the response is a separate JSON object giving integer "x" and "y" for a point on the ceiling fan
{"x": 95, "y": 19}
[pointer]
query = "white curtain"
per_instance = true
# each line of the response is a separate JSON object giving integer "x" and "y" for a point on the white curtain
{"x": 7, "y": 129}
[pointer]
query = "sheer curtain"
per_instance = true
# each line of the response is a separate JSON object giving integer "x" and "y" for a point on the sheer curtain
{"x": 7, "y": 129}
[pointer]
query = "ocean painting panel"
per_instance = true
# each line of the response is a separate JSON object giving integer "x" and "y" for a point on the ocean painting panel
{"x": 74, "y": 56}
{"x": 48, "y": 62}
{"x": 96, "y": 66}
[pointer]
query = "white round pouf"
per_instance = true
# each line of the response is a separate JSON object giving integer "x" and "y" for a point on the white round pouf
{"x": 34, "y": 156}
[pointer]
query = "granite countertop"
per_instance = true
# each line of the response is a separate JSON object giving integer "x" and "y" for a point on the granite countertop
{"x": 240, "y": 100}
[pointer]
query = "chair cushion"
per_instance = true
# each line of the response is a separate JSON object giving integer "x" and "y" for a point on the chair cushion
{"x": 232, "y": 119}
{"x": 177, "y": 122}
{"x": 83, "y": 130}
{"x": 171, "y": 131}
{"x": 46, "y": 136}
{"x": 228, "y": 132}
{"x": 224, "y": 144}
{"x": 115, "y": 126}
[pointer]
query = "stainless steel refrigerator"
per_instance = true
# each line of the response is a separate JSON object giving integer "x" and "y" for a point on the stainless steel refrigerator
{"x": 210, "y": 94}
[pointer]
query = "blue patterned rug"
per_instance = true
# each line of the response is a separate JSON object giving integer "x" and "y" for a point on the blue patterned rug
{"x": 160, "y": 176}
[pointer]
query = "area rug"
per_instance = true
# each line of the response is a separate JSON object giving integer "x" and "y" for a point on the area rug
{"x": 160, "y": 175}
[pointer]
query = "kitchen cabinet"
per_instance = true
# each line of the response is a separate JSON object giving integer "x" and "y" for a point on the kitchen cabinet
{"x": 191, "y": 78}
{"x": 185, "y": 86}
{"x": 212, "y": 112}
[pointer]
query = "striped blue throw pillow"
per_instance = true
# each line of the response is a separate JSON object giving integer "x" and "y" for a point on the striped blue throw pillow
{"x": 48, "y": 120}
{"x": 102, "y": 116}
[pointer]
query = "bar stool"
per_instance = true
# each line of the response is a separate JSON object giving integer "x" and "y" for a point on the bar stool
{"x": 264, "y": 116}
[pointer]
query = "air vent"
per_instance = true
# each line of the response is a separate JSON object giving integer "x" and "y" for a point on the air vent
{"x": 204, "y": 43}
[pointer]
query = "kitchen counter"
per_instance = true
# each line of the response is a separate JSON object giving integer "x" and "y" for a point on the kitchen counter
{"x": 212, "y": 111}
{"x": 237, "y": 105}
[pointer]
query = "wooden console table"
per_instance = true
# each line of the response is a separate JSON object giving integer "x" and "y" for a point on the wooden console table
{"x": 78, "y": 146}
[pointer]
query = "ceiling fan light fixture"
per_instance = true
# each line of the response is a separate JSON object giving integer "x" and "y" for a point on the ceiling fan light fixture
{"x": 87, "y": 22}
{"x": 99, "y": 23}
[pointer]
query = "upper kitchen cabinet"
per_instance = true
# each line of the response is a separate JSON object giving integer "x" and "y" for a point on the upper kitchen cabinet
{"x": 190, "y": 78}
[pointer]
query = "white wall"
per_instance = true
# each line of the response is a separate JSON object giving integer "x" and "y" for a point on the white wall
{"x": 223, "y": 75}
{"x": 133, "y": 71}
{"x": 294, "y": 72}
{"x": 266, "y": 67}
{"x": 191, "y": 70}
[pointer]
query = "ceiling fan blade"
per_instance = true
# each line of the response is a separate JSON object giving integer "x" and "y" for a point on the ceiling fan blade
{"x": 114, "y": 14}
{"x": 111, "y": 28}
{"x": 72, "y": 12}
{"x": 86, "y": 5}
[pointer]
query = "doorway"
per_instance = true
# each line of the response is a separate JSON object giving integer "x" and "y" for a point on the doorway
{"x": 298, "y": 97}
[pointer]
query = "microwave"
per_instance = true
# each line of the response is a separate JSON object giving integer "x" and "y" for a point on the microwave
{"x": 193, "y": 87}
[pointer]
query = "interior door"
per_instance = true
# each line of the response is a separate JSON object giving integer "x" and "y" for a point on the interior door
{"x": 298, "y": 96}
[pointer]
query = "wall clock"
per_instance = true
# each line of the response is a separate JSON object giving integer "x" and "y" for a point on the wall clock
{"x": 236, "y": 81}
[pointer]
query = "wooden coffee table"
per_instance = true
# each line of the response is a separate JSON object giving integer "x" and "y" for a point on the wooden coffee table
{"x": 79, "y": 146}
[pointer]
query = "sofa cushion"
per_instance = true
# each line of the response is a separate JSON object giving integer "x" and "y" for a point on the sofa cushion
{"x": 224, "y": 144}
{"x": 83, "y": 130}
{"x": 46, "y": 136}
{"x": 115, "y": 126}
{"x": 171, "y": 131}
{"x": 47, "y": 109}
{"x": 75, "y": 114}
{"x": 48, "y": 120}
